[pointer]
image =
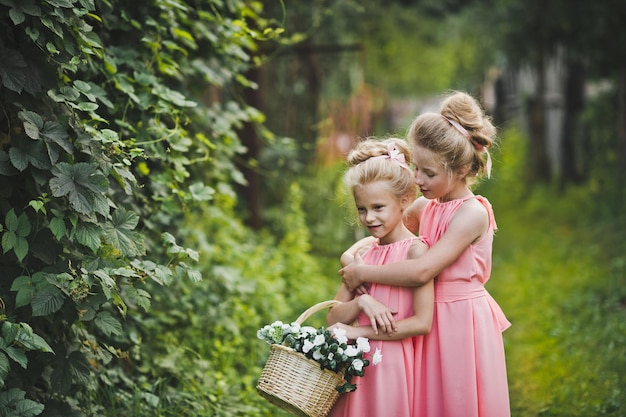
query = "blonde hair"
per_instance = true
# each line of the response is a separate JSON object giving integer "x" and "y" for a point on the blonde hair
{"x": 365, "y": 168}
{"x": 437, "y": 132}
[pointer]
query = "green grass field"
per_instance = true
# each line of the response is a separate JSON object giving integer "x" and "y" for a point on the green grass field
{"x": 562, "y": 287}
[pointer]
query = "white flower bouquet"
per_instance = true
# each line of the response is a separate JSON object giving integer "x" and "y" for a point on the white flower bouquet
{"x": 332, "y": 351}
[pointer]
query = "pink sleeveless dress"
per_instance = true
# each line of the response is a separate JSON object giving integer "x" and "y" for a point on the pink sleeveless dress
{"x": 387, "y": 389}
{"x": 460, "y": 364}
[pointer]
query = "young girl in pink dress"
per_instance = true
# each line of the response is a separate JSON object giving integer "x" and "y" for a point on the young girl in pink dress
{"x": 383, "y": 186}
{"x": 460, "y": 365}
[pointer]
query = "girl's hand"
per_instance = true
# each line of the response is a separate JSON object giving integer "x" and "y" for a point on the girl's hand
{"x": 362, "y": 289}
{"x": 352, "y": 332}
{"x": 381, "y": 317}
{"x": 349, "y": 273}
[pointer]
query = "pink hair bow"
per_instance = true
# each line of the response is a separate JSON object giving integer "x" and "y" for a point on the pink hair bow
{"x": 396, "y": 155}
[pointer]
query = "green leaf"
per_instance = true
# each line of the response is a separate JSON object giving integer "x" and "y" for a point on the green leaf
{"x": 13, "y": 404}
{"x": 55, "y": 133}
{"x": 33, "y": 153}
{"x": 23, "y": 225}
{"x": 79, "y": 182}
{"x": 18, "y": 355}
{"x": 52, "y": 26}
{"x": 28, "y": 408}
{"x": 57, "y": 227}
{"x": 16, "y": 16}
{"x": 19, "y": 159}
{"x": 12, "y": 69}
{"x": 32, "y": 123}
{"x": 110, "y": 64}
{"x": 194, "y": 275}
{"x": 119, "y": 233}
{"x": 14, "y": 238}
{"x": 162, "y": 275}
{"x": 66, "y": 94}
{"x": 9, "y": 331}
{"x": 140, "y": 297}
{"x": 108, "y": 324}
{"x": 46, "y": 301}
{"x": 5, "y": 367}
{"x": 21, "y": 248}
{"x": 88, "y": 4}
{"x": 173, "y": 96}
{"x": 70, "y": 370}
{"x": 89, "y": 234}
{"x": 33, "y": 341}
{"x": 9, "y": 239}
{"x": 201, "y": 192}
{"x": 87, "y": 106}
{"x": 38, "y": 206}
{"x": 11, "y": 221}
{"x": 68, "y": 4}
{"x": 124, "y": 177}
{"x": 106, "y": 282}
{"x": 25, "y": 290}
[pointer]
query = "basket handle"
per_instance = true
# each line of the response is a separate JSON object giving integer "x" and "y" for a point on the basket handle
{"x": 315, "y": 308}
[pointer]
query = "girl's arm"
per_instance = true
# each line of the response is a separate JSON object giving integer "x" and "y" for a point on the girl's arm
{"x": 468, "y": 225}
{"x": 411, "y": 217}
{"x": 419, "y": 323}
{"x": 357, "y": 248}
{"x": 381, "y": 317}
{"x": 347, "y": 311}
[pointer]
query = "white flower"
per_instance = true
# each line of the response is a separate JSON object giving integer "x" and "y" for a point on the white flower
{"x": 277, "y": 323}
{"x": 340, "y": 335}
{"x": 317, "y": 355}
{"x": 306, "y": 330}
{"x": 357, "y": 364}
{"x": 363, "y": 344}
{"x": 308, "y": 345}
{"x": 377, "y": 357}
{"x": 319, "y": 340}
{"x": 295, "y": 328}
{"x": 352, "y": 351}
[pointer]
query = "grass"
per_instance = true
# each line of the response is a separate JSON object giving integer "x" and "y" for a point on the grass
{"x": 560, "y": 282}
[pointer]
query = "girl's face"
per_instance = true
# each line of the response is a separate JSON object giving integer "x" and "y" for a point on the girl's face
{"x": 380, "y": 211}
{"x": 433, "y": 179}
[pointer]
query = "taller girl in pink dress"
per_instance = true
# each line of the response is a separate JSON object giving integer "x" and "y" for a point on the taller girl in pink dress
{"x": 383, "y": 187}
{"x": 460, "y": 365}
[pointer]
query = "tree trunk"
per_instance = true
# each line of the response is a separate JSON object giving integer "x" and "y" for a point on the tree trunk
{"x": 621, "y": 134}
{"x": 252, "y": 142}
{"x": 539, "y": 163}
{"x": 571, "y": 171}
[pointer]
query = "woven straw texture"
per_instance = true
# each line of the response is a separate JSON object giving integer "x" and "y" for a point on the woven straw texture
{"x": 295, "y": 383}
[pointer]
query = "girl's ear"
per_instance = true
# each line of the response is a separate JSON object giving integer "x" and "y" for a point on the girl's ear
{"x": 462, "y": 172}
{"x": 405, "y": 201}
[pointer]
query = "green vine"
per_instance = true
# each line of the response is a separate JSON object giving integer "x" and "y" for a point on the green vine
{"x": 103, "y": 114}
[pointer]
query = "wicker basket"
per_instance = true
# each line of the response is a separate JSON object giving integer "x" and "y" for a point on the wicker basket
{"x": 296, "y": 383}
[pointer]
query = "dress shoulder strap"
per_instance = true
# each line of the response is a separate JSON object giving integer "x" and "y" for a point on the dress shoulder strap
{"x": 487, "y": 205}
